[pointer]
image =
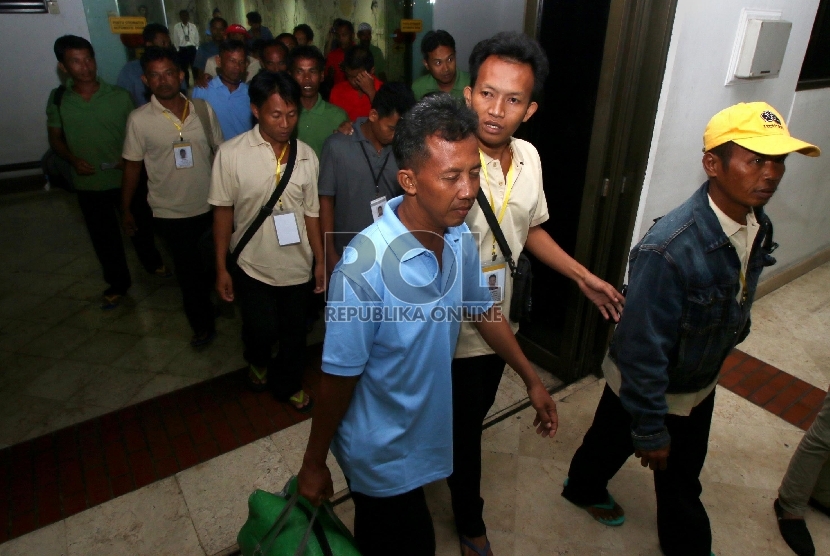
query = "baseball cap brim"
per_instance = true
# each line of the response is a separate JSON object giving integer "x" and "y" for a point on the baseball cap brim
{"x": 777, "y": 145}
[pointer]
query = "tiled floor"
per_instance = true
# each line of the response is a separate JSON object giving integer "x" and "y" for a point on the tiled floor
{"x": 199, "y": 509}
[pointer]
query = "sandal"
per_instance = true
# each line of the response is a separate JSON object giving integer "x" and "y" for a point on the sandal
{"x": 163, "y": 272}
{"x": 608, "y": 505}
{"x": 255, "y": 380}
{"x": 203, "y": 339}
{"x": 111, "y": 301}
{"x": 299, "y": 399}
{"x": 469, "y": 544}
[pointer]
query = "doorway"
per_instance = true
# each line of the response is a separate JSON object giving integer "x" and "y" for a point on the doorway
{"x": 593, "y": 132}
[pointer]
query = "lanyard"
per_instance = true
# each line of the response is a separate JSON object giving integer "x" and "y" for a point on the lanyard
{"x": 186, "y": 31}
{"x": 277, "y": 173}
{"x": 372, "y": 170}
{"x": 510, "y": 182}
{"x": 184, "y": 116}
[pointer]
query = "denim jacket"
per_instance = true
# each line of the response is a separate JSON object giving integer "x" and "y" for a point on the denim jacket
{"x": 681, "y": 316}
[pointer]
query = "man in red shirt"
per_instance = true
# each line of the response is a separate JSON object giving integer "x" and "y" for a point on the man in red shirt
{"x": 355, "y": 94}
{"x": 344, "y": 31}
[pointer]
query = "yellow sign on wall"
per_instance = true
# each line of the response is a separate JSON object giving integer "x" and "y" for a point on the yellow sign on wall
{"x": 127, "y": 25}
{"x": 412, "y": 25}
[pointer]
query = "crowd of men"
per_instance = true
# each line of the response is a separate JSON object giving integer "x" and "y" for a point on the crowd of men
{"x": 310, "y": 173}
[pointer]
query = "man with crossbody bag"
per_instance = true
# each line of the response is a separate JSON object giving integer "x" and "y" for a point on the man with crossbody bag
{"x": 506, "y": 72}
{"x": 264, "y": 193}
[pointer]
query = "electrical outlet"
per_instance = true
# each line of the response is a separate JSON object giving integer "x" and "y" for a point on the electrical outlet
{"x": 53, "y": 7}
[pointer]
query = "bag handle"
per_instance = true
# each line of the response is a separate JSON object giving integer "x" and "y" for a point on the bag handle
{"x": 265, "y": 211}
{"x": 277, "y": 527}
{"x": 493, "y": 222}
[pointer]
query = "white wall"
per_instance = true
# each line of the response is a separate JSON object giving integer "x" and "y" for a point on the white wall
{"x": 29, "y": 74}
{"x": 693, "y": 91}
{"x": 470, "y": 21}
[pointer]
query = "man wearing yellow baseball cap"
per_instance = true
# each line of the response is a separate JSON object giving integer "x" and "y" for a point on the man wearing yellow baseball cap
{"x": 692, "y": 283}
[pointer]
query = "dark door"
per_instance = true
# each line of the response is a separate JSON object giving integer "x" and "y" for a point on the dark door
{"x": 593, "y": 131}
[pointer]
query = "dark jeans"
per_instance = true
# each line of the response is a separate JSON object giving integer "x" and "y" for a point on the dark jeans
{"x": 400, "y": 525}
{"x": 475, "y": 381}
{"x": 186, "y": 55}
{"x": 271, "y": 313}
{"x": 100, "y": 212}
{"x": 196, "y": 282}
{"x": 682, "y": 523}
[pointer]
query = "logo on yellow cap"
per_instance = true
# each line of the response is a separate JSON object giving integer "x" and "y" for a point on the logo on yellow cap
{"x": 771, "y": 119}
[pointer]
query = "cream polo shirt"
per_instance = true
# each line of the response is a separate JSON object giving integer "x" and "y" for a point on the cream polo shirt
{"x": 174, "y": 193}
{"x": 527, "y": 207}
{"x": 253, "y": 67}
{"x": 741, "y": 237}
{"x": 244, "y": 177}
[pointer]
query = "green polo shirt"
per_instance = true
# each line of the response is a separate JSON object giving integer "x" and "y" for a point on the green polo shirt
{"x": 94, "y": 130}
{"x": 380, "y": 60}
{"x": 427, "y": 84}
{"x": 317, "y": 125}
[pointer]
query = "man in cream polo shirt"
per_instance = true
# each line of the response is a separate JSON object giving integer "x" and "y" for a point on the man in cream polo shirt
{"x": 275, "y": 266}
{"x": 506, "y": 71}
{"x": 170, "y": 137}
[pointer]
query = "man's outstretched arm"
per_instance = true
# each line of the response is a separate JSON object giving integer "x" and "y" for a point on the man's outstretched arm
{"x": 496, "y": 332}
{"x": 333, "y": 399}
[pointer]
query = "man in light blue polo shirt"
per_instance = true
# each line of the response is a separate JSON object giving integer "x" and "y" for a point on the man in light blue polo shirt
{"x": 395, "y": 304}
{"x": 228, "y": 94}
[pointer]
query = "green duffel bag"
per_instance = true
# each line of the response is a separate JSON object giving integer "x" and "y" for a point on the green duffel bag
{"x": 285, "y": 524}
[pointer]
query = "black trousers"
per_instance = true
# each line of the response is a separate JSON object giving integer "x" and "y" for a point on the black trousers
{"x": 186, "y": 55}
{"x": 400, "y": 525}
{"x": 100, "y": 212}
{"x": 682, "y": 522}
{"x": 272, "y": 313}
{"x": 196, "y": 282}
{"x": 475, "y": 382}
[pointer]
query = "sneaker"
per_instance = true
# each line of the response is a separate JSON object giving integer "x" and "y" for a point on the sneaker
{"x": 203, "y": 339}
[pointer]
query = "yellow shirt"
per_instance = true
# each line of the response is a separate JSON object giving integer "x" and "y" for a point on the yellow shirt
{"x": 244, "y": 177}
{"x": 527, "y": 207}
{"x": 174, "y": 193}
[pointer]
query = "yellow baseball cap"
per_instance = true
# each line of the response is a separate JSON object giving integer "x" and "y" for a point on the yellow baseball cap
{"x": 756, "y": 126}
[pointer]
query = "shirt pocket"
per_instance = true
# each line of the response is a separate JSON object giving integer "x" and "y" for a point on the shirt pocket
{"x": 706, "y": 308}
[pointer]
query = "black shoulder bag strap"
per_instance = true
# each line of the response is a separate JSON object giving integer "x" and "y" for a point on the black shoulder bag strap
{"x": 493, "y": 222}
{"x": 266, "y": 210}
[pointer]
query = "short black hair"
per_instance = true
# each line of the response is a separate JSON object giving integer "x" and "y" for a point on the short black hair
{"x": 156, "y": 53}
{"x": 184, "y": 12}
{"x": 434, "y": 39}
{"x": 358, "y": 57}
{"x": 307, "y": 52}
{"x": 267, "y": 83}
{"x": 344, "y": 23}
{"x": 253, "y": 17}
{"x": 439, "y": 115}
{"x": 71, "y": 42}
{"x": 514, "y": 47}
{"x": 287, "y": 36}
{"x": 151, "y": 30}
{"x": 275, "y": 44}
{"x": 305, "y": 29}
{"x": 232, "y": 45}
{"x": 393, "y": 98}
{"x": 219, "y": 20}
{"x": 724, "y": 152}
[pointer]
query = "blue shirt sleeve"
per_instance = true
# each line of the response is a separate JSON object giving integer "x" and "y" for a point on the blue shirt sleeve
{"x": 349, "y": 340}
{"x": 199, "y": 92}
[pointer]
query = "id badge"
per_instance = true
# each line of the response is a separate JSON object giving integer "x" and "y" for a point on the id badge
{"x": 285, "y": 224}
{"x": 183, "y": 154}
{"x": 377, "y": 207}
{"x": 494, "y": 277}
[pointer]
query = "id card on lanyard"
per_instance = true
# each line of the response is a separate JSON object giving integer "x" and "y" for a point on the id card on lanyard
{"x": 377, "y": 204}
{"x": 182, "y": 149}
{"x": 511, "y": 180}
{"x": 285, "y": 223}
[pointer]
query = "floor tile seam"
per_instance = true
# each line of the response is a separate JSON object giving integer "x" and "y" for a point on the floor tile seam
{"x": 743, "y": 357}
{"x": 795, "y": 401}
{"x": 189, "y": 512}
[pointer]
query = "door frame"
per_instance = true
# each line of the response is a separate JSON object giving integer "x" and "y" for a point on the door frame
{"x": 633, "y": 65}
